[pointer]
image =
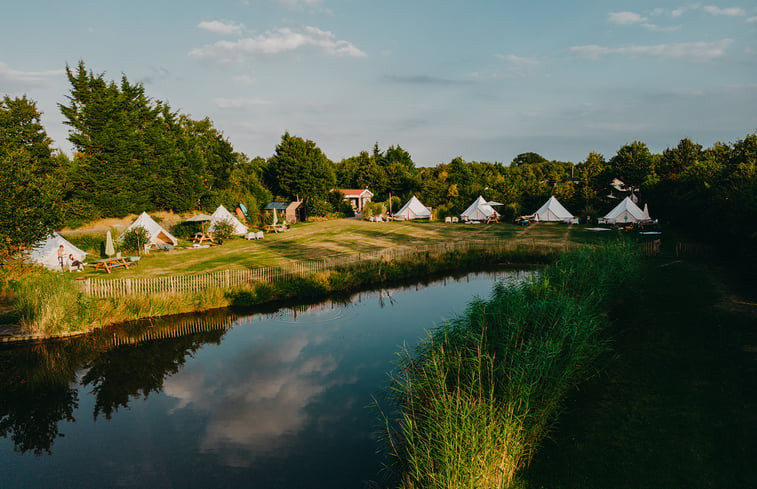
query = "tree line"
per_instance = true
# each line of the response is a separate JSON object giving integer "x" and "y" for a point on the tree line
{"x": 134, "y": 154}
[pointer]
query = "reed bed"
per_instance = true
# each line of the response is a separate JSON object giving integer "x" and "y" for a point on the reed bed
{"x": 477, "y": 397}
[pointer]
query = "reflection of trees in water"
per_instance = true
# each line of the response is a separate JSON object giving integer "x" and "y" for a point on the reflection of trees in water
{"x": 135, "y": 371}
{"x": 37, "y": 391}
{"x": 38, "y": 385}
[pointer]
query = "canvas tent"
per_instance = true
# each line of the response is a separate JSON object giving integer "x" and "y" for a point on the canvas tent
{"x": 479, "y": 210}
{"x": 221, "y": 214}
{"x": 413, "y": 209}
{"x": 158, "y": 236}
{"x": 626, "y": 211}
{"x": 45, "y": 253}
{"x": 553, "y": 211}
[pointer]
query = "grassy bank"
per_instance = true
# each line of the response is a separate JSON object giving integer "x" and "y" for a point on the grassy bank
{"x": 479, "y": 396}
{"x": 677, "y": 405}
{"x": 332, "y": 239}
{"x": 52, "y": 304}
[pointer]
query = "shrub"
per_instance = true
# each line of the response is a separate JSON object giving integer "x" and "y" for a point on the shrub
{"x": 223, "y": 230}
{"x": 345, "y": 209}
{"x": 186, "y": 230}
{"x": 372, "y": 209}
{"x": 317, "y": 207}
{"x": 134, "y": 239}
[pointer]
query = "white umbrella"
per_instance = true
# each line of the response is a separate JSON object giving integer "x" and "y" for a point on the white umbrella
{"x": 109, "y": 249}
{"x": 275, "y": 217}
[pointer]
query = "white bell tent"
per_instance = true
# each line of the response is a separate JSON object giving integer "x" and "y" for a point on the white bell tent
{"x": 479, "y": 210}
{"x": 221, "y": 214}
{"x": 158, "y": 236}
{"x": 553, "y": 211}
{"x": 413, "y": 209}
{"x": 45, "y": 252}
{"x": 626, "y": 211}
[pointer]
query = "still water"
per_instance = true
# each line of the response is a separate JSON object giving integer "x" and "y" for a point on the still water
{"x": 280, "y": 399}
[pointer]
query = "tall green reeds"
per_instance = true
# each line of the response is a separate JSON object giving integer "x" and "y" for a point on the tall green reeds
{"x": 50, "y": 303}
{"x": 479, "y": 395}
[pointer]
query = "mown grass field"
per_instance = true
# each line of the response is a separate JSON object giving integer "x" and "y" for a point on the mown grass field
{"x": 317, "y": 240}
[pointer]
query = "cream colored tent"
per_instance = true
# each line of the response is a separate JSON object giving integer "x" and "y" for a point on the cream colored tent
{"x": 221, "y": 214}
{"x": 626, "y": 211}
{"x": 45, "y": 252}
{"x": 413, "y": 209}
{"x": 479, "y": 210}
{"x": 553, "y": 211}
{"x": 158, "y": 236}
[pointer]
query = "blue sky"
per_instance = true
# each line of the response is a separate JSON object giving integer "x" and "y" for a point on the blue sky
{"x": 485, "y": 80}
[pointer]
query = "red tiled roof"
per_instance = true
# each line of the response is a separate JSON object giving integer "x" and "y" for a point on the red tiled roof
{"x": 353, "y": 191}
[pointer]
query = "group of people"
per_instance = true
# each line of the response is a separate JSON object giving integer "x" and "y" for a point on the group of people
{"x": 73, "y": 263}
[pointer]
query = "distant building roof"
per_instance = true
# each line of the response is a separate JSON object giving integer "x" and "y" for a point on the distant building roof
{"x": 354, "y": 192}
{"x": 279, "y": 206}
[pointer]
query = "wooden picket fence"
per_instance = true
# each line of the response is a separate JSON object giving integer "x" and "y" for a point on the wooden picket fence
{"x": 232, "y": 278}
{"x": 177, "y": 328}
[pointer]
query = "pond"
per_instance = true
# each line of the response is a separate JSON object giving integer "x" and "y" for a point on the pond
{"x": 276, "y": 399}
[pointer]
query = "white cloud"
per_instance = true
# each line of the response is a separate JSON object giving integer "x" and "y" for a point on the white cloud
{"x": 679, "y": 11}
{"x": 655, "y": 27}
{"x": 244, "y": 79}
{"x": 625, "y": 18}
{"x": 280, "y": 41}
{"x": 752, "y": 20}
{"x": 688, "y": 51}
{"x": 238, "y": 103}
{"x": 297, "y": 3}
{"x": 34, "y": 78}
{"x": 730, "y": 11}
{"x": 521, "y": 60}
{"x": 220, "y": 27}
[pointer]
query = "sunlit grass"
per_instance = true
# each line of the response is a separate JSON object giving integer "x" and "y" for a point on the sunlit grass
{"x": 326, "y": 239}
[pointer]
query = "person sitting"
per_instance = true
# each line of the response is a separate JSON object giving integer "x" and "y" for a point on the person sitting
{"x": 79, "y": 266}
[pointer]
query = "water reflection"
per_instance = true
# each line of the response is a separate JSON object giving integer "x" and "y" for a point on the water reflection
{"x": 274, "y": 396}
{"x": 38, "y": 388}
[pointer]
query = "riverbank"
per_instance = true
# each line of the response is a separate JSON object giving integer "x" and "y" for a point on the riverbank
{"x": 477, "y": 398}
{"x": 51, "y": 305}
{"x": 677, "y": 404}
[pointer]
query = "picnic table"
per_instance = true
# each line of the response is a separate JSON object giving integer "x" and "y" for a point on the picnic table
{"x": 200, "y": 237}
{"x": 108, "y": 264}
{"x": 278, "y": 228}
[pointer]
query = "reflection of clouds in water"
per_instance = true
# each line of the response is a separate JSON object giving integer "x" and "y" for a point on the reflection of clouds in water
{"x": 257, "y": 397}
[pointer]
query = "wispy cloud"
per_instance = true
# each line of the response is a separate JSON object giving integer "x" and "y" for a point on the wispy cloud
{"x": 655, "y": 27}
{"x": 275, "y": 42}
{"x": 632, "y": 18}
{"x": 244, "y": 79}
{"x": 33, "y": 78}
{"x": 687, "y": 51}
{"x": 423, "y": 80}
{"x": 752, "y": 20}
{"x": 297, "y": 3}
{"x": 625, "y": 18}
{"x": 710, "y": 9}
{"x": 220, "y": 27}
{"x": 520, "y": 60}
{"x": 730, "y": 11}
{"x": 239, "y": 103}
{"x": 519, "y": 66}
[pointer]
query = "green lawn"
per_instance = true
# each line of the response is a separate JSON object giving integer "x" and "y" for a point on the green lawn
{"x": 316, "y": 240}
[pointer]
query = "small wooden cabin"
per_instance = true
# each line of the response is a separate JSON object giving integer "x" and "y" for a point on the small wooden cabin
{"x": 292, "y": 212}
